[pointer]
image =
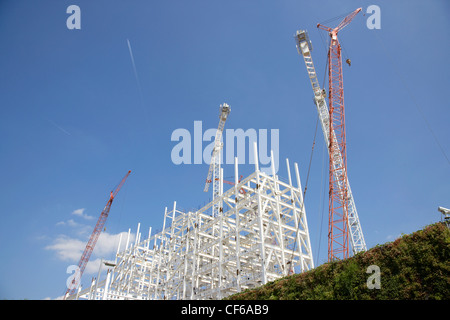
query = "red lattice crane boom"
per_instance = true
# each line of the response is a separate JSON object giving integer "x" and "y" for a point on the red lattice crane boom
{"x": 338, "y": 229}
{"x": 93, "y": 239}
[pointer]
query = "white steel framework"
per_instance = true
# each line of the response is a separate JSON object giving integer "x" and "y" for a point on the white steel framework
{"x": 260, "y": 234}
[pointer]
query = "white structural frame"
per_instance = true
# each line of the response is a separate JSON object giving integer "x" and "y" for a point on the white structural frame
{"x": 304, "y": 48}
{"x": 261, "y": 234}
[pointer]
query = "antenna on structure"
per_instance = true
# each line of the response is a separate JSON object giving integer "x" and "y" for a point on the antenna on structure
{"x": 445, "y": 214}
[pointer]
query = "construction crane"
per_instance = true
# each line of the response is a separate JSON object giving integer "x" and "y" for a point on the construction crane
{"x": 214, "y": 167}
{"x": 344, "y": 225}
{"x": 93, "y": 239}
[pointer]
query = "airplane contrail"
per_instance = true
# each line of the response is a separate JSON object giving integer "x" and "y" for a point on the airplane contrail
{"x": 137, "y": 80}
{"x": 58, "y": 127}
{"x": 134, "y": 68}
{"x": 132, "y": 58}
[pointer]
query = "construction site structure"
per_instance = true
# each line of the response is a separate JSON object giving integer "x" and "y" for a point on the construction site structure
{"x": 259, "y": 235}
{"x": 344, "y": 224}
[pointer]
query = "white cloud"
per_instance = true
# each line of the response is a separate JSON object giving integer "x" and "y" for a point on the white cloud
{"x": 92, "y": 266}
{"x": 66, "y": 248}
{"x": 70, "y": 249}
{"x": 107, "y": 243}
{"x": 393, "y": 237}
{"x": 80, "y": 213}
{"x": 70, "y": 223}
{"x": 80, "y": 228}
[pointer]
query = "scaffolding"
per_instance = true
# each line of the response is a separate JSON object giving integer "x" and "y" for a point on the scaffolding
{"x": 261, "y": 234}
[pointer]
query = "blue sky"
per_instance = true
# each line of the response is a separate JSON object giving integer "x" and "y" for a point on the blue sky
{"x": 75, "y": 117}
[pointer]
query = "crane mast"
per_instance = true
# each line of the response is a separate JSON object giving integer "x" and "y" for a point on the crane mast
{"x": 214, "y": 167}
{"x": 94, "y": 237}
{"x": 344, "y": 223}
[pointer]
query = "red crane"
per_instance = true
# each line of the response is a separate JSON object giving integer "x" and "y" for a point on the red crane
{"x": 93, "y": 239}
{"x": 338, "y": 233}
{"x": 242, "y": 191}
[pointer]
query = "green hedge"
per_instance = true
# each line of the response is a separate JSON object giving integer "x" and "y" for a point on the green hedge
{"x": 415, "y": 266}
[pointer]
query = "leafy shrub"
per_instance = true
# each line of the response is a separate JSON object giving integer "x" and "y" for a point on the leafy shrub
{"x": 414, "y": 266}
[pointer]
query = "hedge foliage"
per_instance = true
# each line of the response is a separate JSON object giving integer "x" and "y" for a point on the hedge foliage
{"x": 415, "y": 266}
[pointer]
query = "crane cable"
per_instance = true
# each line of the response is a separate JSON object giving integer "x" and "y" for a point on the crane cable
{"x": 304, "y": 191}
{"x": 335, "y": 18}
{"x": 326, "y": 48}
{"x": 321, "y": 202}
